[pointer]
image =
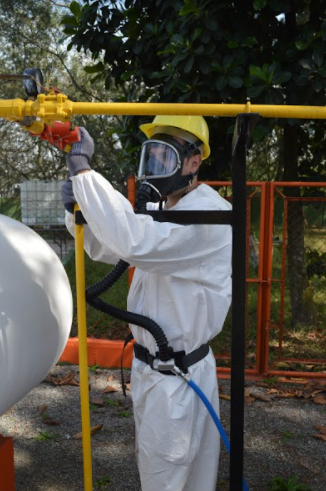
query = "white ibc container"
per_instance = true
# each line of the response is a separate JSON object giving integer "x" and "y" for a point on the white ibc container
{"x": 41, "y": 203}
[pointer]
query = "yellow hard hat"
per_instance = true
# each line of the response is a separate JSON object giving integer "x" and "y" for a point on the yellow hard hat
{"x": 195, "y": 125}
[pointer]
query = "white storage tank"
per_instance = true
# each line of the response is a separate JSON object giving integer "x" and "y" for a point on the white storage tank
{"x": 35, "y": 310}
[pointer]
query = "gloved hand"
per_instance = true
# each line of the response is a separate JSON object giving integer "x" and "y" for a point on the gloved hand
{"x": 67, "y": 195}
{"x": 80, "y": 155}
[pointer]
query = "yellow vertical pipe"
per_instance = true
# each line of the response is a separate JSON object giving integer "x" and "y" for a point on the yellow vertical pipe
{"x": 82, "y": 347}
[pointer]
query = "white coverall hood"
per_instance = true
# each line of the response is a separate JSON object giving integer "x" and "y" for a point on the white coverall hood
{"x": 182, "y": 281}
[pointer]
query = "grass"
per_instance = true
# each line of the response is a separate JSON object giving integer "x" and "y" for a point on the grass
{"x": 112, "y": 402}
{"x": 99, "y": 325}
{"x": 47, "y": 436}
{"x": 124, "y": 414}
{"x": 270, "y": 380}
{"x": 103, "y": 482}
{"x": 305, "y": 341}
{"x": 299, "y": 341}
{"x": 286, "y": 436}
{"x": 293, "y": 484}
{"x": 92, "y": 407}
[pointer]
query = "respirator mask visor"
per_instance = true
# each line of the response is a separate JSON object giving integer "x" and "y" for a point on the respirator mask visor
{"x": 158, "y": 159}
{"x": 161, "y": 161}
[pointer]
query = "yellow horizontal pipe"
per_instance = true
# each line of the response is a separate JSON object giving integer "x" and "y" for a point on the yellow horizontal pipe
{"x": 57, "y": 107}
{"x": 152, "y": 109}
{"x": 9, "y": 109}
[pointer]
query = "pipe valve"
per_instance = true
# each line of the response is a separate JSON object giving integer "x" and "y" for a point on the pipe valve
{"x": 60, "y": 135}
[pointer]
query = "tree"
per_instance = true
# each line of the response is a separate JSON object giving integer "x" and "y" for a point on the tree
{"x": 31, "y": 37}
{"x": 205, "y": 51}
{"x": 272, "y": 51}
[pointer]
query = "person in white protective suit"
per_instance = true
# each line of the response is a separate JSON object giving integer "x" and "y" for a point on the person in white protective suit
{"x": 182, "y": 281}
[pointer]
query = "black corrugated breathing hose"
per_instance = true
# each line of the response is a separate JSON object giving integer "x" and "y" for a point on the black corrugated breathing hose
{"x": 92, "y": 298}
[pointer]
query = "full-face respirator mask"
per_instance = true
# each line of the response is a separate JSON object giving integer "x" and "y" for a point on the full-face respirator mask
{"x": 160, "y": 167}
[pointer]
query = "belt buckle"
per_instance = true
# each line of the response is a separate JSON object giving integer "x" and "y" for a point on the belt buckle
{"x": 179, "y": 361}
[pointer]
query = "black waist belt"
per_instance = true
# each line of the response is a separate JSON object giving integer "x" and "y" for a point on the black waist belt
{"x": 181, "y": 360}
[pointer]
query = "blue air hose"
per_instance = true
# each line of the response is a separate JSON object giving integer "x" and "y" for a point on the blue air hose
{"x": 211, "y": 411}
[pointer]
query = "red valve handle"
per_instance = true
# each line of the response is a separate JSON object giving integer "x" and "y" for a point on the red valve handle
{"x": 60, "y": 135}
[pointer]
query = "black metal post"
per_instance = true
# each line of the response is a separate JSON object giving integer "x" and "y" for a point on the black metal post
{"x": 244, "y": 125}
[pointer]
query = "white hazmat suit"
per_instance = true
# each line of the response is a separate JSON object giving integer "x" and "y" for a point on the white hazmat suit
{"x": 183, "y": 282}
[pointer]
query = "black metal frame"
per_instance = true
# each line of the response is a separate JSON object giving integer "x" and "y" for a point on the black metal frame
{"x": 244, "y": 126}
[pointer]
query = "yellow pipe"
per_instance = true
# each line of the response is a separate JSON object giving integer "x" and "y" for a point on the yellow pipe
{"x": 135, "y": 108}
{"x": 57, "y": 107}
{"x": 83, "y": 365}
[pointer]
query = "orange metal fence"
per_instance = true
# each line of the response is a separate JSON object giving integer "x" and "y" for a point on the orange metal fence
{"x": 282, "y": 219}
{"x": 295, "y": 331}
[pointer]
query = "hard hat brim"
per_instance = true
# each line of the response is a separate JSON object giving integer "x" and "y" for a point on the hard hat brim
{"x": 148, "y": 129}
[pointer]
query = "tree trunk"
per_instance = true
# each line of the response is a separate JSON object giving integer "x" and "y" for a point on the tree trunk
{"x": 298, "y": 280}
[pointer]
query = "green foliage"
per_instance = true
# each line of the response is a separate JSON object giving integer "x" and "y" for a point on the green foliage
{"x": 286, "y": 435}
{"x": 316, "y": 263}
{"x": 100, "y": 325}
{"x": 26, "y": 38}
{"x": 31, "y": 36}
{"x": 206, "y": 51}
{"x": 259, "y": 4}
{"x": 124, "y": 414}
{"x": 47, "y": 436}
{"x": 278, "y": 484}
{"x": 10, "y": 207}
{"x": 112, "y": 402}
{"x": 272, "y": 51}
{"x": 270, "y": 380}
{"x": 104, "y": 481}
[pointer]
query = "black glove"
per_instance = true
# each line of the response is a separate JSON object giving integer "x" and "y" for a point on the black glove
{"x": 67, "y": 195}
{"x": 80, "y": 155}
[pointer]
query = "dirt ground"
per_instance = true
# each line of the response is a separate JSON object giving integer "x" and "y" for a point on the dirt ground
{"x": 280, "y": 423}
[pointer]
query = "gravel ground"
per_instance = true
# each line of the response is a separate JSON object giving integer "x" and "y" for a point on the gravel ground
{"x": 280, "y": 422}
